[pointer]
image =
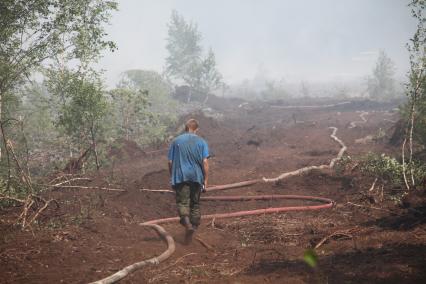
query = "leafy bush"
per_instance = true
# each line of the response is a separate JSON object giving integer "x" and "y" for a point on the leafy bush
{"x": 342, "y": 164}
{"x": 390, "y": 171}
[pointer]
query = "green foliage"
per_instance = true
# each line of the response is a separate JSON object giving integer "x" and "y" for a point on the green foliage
{"x": 310, "y": 257}
{"x": 129, "y": 112}
{"x": 157, "y": 89}
{"x": 208, "y": 77}
{"x": 389, "y": 170}
{"x": 84, "y": 104}
{"x": 37, "y": 113}
{"x": 183, "y": 45}
{"x": 143, "y": 107}
{"x": 82, "y": 107}
{"x": 384, "y": 167}
{"x": 157, "y": 131}
{"x": 33, "y": 31}
{"x": 341, "y": 165}
{"x": 381, "y": 85}
{"x": 185, "y": 61}
{"x": 416, "y": 88}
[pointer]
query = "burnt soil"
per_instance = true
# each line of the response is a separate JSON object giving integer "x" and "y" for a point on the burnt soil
{"x": 95, "y": 232}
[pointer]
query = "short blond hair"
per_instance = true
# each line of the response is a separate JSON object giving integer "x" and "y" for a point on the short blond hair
{"x": 191, "y": 124}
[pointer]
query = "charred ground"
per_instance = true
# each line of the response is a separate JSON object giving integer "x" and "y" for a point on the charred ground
{"x": 93, "y": 233}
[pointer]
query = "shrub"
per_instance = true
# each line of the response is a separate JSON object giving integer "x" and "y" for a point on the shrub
{"x": 390, "y": 171}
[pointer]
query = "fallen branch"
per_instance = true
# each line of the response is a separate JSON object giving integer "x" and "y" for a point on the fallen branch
{"x": 60, "y": 177}
{"x": 85, "y": 187}
{"x": 25, "y": 178}
{"x": 177, "y": 261}
{"x": 372, "y": 186}
{"x": 206, "y": 245}
{"x": 39, "y": 212}
{"x": 70, "y": 180}
{"x": 11, "y": 198}
{"x": 157, "y": 190}
{"x": 27, "y": 206}
{"x": 370, "y": 207}
{"x": 338, "y": 233}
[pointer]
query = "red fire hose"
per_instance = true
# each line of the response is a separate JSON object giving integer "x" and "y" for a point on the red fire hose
{"x": 169, "y": 240}
{"x": 328, "y": 204}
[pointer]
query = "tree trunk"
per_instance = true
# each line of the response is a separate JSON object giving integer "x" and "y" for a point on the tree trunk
{"x": 9, "y": 174}
{"x": 1, "y": 120}
{"x": 189, "y": 95}
{"x": 206, "y": 99}
{"x": 95, "y": 150}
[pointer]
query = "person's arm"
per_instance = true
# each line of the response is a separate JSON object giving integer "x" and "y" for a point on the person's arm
{"x": 206, "y": 172}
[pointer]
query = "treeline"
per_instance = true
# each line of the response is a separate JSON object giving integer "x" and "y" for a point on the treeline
{"x": 70, "y": 112}
{"x": 54, "y": 104}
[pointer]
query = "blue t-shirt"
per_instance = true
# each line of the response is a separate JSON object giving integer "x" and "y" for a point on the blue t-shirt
{"x": 187, "y": 153}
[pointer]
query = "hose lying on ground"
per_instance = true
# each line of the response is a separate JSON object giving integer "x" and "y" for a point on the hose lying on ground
{"x": 364, "y": 120}
{"x": 155, "y": 260}
{"x": 171, "y": 245}
{"x": 311, "y": 106}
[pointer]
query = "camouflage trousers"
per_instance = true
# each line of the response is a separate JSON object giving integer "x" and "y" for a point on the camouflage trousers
{"x": 188, "y": 201}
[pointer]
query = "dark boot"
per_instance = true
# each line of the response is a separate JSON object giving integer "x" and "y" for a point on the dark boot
{"x": 189, "y": 230}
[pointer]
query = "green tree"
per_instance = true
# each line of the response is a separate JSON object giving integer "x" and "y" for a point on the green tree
{"x": 83, "y": 108}
{"x": 32, "y": 32}
{"x": 210, "y": 77}
{"x": 151, "y": 108}
{"x": 415, "y": 110}
{"x": 37, "y": 113}
{"x": 185, "y": 61}
{"x": 129, "y": 111}
{"x": 183, "y": 45}
{"x": 159, "y": 90}
{"x": 381, "y": 85}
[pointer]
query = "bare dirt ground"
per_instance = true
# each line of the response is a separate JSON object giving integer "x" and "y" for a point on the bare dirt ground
{"x": 95, "y": 232}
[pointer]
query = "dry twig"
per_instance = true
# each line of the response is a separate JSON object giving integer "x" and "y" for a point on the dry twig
{"x": 371, "y": 207}
{"x": 372, "y": 186}
{"x": 177, "y": 261}
{"x": 86, "y": 187}
{"x": 69, "y": 181}
{"x": 157, "y": 190}
{"x": 206, "y": 245}
{"x": 345, "y": 233}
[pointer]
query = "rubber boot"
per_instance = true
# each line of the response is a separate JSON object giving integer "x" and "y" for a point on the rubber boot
{"x": 189, "y": 230}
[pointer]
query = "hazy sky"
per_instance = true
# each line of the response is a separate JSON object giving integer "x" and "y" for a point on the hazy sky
{"x": 312, "y": 40}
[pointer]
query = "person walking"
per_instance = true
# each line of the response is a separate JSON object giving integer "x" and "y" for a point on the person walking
{"x": 188, "y": 167}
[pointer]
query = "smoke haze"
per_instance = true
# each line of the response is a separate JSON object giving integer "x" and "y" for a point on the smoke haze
{"x": 317, "y": 41}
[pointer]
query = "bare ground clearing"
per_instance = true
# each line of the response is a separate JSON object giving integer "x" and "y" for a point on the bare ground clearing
{"x": 95, "y": 233}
